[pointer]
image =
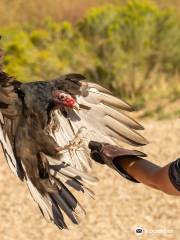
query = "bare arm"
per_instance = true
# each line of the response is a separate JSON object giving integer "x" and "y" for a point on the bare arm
{"x": 150, "y": 174}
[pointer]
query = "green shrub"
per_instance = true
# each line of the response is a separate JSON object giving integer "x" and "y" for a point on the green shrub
{"x": 133, "y": 49}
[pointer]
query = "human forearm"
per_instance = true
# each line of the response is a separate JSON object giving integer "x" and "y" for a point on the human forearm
{"x": 149, "y": 174}
{"x": 142, "y": 170}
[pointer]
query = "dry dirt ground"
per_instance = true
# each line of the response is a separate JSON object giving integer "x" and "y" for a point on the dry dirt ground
{"x": 120, "y": 206}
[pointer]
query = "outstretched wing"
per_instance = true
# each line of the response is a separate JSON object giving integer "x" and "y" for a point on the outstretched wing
{"x": 102, "y": 117}
{"x": 10, "y": 109}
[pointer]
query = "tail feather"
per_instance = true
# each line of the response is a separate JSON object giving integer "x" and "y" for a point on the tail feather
{"x": 74, "y": 184}
{"x": 57, "y": 202}
{"x": 65, "y": 207}
{"x": 65, "y": 194}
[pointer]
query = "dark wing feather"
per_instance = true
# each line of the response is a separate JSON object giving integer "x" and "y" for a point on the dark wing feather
{"x": 10, "y": 108}
{"x": 7, "y": 147}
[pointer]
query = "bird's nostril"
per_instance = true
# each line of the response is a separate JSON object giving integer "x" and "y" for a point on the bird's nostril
{"x": 62, "y": 97}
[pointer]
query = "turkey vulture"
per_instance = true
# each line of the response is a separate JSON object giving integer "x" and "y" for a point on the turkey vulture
{"x": 45, "y": 128}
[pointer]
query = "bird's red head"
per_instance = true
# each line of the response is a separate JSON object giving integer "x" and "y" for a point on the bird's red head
{"x": 63, "y": 99}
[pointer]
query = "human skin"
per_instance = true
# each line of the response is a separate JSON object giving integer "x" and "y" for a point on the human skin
{"x": 149, "y": 174}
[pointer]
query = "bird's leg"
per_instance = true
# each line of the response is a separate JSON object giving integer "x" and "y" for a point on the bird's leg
{"x": 78, "y": 141}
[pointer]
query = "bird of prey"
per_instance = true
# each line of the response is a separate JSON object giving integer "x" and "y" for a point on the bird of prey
{"x": 45, "y": 128}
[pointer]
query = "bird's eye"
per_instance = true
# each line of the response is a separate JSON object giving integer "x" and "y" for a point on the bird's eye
{"x": 62, "y": 96}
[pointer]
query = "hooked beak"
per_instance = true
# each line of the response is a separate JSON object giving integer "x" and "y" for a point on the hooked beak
{"x": 76, "y": 106}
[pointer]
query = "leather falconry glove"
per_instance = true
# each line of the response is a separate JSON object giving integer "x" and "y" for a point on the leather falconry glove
{"x": 111, "y": 155}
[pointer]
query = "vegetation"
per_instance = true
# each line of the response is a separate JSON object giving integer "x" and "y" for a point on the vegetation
{"x": 133, "y": 49}
{"x": 34, "y": 11}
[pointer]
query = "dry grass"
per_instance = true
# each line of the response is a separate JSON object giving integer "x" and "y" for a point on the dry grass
{"x": 34, "y": 11}
{"x": 119, "y": 207}
{"x": 20, "y": 11}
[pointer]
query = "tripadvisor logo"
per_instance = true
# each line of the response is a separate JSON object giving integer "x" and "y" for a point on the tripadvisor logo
{"x": 139, "y": 230}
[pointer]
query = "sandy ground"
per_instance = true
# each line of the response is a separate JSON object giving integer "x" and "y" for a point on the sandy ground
{"x": 120, "y": 206}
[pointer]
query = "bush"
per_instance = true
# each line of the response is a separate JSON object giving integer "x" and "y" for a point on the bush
{"x": 134, "y": 50}
{"x": 136, "y": 44}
